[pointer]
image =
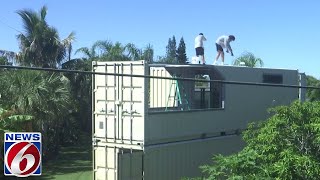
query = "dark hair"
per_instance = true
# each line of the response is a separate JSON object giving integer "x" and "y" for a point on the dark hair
{"x": 232, "y": 37}
{"x": 201, "y": 34}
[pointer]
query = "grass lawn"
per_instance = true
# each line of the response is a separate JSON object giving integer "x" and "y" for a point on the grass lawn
{"x": 72, "y": 163}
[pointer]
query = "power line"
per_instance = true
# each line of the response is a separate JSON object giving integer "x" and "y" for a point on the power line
{"x": 157, "y": 77}
{"x": 4, "y": 23}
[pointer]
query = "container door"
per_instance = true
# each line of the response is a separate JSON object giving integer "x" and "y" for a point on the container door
{"x": 112, "y": 163}
{"x": 105, "y": 163}
{"x": 119, "y": 101}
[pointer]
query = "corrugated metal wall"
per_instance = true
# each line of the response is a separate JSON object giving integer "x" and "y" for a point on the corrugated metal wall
{"x": 173, "y": 161}
{"x": 159, "y": 88}
{"x": 105, "y": 163}
{"x": 119, "y": 106}
{"x": 131, "y": 165}
{"x": 118, "y": 120}
{"x": 170, "y": 161}
{"x": 133, "y": 142}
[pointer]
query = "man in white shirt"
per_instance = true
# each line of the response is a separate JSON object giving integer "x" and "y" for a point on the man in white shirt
{"x": 199, "y": 46}
{"x": 223, "y": 42}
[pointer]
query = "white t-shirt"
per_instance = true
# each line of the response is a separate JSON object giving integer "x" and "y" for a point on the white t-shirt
{"x": 198, "y": 42}
{"x": 224, "y": 42}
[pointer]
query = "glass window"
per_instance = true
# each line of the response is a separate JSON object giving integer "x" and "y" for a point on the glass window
{"x": 273, "y": 78}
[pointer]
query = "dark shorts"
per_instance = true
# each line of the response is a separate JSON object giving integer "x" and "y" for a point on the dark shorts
{"x": 199, "y": 51}
{"x": 219, "y": 47}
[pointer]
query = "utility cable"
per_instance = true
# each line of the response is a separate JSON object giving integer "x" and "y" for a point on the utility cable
{"x": 156, "y": 77}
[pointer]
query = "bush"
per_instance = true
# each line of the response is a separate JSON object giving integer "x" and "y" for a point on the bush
{"x": 286, "y": 146}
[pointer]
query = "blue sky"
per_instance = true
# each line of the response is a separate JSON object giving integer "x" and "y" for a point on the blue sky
{"x": 284, "y": 34}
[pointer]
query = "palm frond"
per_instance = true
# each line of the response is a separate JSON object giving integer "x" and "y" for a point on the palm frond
{"x": 8, "y": 54}
{"x": 43, "y": 13}
{"x": 249, "y": 60}
{"x": 104, "y": 46}
{"x": 40, "y": 45}
{"x": 85, "y": 51}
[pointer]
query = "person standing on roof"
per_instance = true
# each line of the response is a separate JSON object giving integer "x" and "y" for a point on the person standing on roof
{"x": 199, "y": 46}
{"x": 223, "y": 42}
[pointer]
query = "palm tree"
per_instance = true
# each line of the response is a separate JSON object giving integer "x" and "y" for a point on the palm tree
{"x": 40, "y": 44}
{"x": 7, "y": 54}
{"x": 133, "y": 52}
{"x": 44, "y": 96}
{"x": 249, "y": 60}
{"x": 7, "y": 57}
{"x": 108, "y": 51}
{"x": 67, "y": 43}
{"x": 89, "y": 54}
{"x": 117, "y": 52}
{"x": 92, "y": 53}
{"x": 148, "y": 53}
{"x": 81, "y": 85}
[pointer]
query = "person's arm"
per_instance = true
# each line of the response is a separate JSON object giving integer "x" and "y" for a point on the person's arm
{"x": 204, "y": 38}
{"x": 227, "y": 43}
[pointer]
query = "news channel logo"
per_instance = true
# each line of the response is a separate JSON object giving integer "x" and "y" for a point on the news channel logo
{"x": 22, "y": 154}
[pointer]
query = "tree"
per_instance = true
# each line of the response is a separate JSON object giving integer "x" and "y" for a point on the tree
{"x": 249, "y": 60}
{"x": 100, "y": 51}
{"x": 133, "y": 52}
{"x": 171, "y": 51}
{"x": 108, "y": 51}
{"x": 81, "y": 85}
{"x": 4, "y": 61}
{"x": 148, "y": 53}
{"x": 42, "y": 95}
{"x": 40, "y": 44}
{"x": 89, "y": 53}
{"x": 10, "y": 121}
{"x": 118, "y": 52}
{"x": 67, "y": 43}
{"x": 161, "y": 59}
{"x": 313, "y": 94}
{"x": 286, "y": 146}
{"x": 7, "y": 57}
{"x": 181, "y": 52}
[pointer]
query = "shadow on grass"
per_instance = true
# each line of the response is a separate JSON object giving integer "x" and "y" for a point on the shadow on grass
{"x": 71, "y": 160}
{"x": 72, "y": 163}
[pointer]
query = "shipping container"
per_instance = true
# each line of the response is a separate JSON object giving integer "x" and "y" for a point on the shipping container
{"x": 148, "y": 123}
{"x": 116, "y": 162}
{"x": 173, "y": 160}
{"x": 119, "y": 102}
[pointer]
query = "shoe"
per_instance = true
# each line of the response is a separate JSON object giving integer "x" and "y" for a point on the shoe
{"x": 215, "y": 63}
{"x": 221, "y": 63}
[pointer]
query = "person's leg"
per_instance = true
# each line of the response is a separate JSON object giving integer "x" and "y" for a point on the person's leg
{"x": 202, "y": 59}
{"x": 219, "y": 52}
{"x": 202, "y": 55}
{"x": 217, "y": 57}
{"x": 197, "y": 52}
{"x": 222, "y": 57}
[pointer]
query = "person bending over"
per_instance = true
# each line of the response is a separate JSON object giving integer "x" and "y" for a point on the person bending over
{"x": 223, "y": 42}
